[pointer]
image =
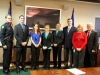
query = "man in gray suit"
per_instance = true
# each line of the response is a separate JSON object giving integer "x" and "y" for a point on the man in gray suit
{"x": 21, "y": 33}
{"x": 91, "y": 47}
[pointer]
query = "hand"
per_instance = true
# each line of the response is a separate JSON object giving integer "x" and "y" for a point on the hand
{"x": 62, "y": 46}
{"x": 93, "y": 50}
{"x": 5, "y": 47}
{"x": 55, "y": 45}
{"x": 37, "y": 45}
{"x": 78, "y": 49}
{"x": 44, "y": 47}
{"x": 23, "y": 43}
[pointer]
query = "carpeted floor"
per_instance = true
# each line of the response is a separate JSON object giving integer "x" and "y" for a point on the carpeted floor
{"x": 13, "y": 72}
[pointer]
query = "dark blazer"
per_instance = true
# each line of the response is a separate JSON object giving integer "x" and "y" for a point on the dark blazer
{"x": 58, "y": 39}
{"x": 92, "y": 42}
{"x": 47, "y": 42}
{"x": 68, "y": 37}
{"x": 20, "y": 35}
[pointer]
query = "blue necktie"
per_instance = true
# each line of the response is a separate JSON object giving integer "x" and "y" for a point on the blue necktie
{"x": 23, "y": 26}
{"x": 68, "y": 30}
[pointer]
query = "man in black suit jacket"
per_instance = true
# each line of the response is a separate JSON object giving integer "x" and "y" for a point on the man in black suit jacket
{"x": 91, "y": 47}
{"x": 21, "y": 33}
{"x": 68, "y": 33}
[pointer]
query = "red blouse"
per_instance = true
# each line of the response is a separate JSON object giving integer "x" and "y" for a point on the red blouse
{"x": 79, "y": 40}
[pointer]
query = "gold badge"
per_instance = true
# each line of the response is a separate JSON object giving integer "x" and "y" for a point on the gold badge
{"x": 2, "y": 27}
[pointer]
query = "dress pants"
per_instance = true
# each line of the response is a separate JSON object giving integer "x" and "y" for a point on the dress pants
{"x": 79, "y": 58}
{"x": 7, "y": 55}
{"x": 89, "y": 60}
{"x": 35, "y": 52}
{"x": 67, "y": 53}
{"x": 46, "y": 61}
{"x": 21, "y": 51}
{"x": 57, "y": 52}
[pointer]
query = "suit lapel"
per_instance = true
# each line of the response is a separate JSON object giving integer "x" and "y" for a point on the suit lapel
{"x": 48, "y": 35}
{"x": 66, "y": 30}
{"x": 91, "y": 34}
{"x": 70, "y": 30}
{"x": 20, "y": 28}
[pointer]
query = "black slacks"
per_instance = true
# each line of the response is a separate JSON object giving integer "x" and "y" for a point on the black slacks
{"x": 35, "y": 52}
{"x": 21, "y": 51}
{"x": 46, "y": 60}
{"x": 89, "y": 60}
{"x": 57, "y": 52}
{"x": 7, "y": 55}
{"x": 79, "y": 58}
{"x": 67, "y": 53}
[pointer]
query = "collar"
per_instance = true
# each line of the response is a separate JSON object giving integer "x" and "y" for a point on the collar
{"x": 58, "y": 30}
{"x": 22, "y": 24}
{"x": 69, "y": 26}
{"x": 89, "y": 31}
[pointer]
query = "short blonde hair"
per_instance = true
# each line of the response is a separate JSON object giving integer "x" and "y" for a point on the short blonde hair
{"x": 80, "y": 26}
{"x": 47, "y": 26}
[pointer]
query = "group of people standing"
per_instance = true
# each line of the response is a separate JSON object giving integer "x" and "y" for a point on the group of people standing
{"x": 78, "y": 45}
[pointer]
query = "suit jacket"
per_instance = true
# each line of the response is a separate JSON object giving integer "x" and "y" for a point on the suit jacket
{"x": 20, "y": 35}
{"x": 68, "y": 37}
{"x": 92, "y": 42}
{"x": 47, "y": 42}
{"x": 58, "y": 38}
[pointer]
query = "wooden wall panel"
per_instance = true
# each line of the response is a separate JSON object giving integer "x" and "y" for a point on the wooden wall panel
{"x": 28, "y": 55}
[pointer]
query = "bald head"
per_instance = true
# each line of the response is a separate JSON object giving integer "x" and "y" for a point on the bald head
{"x": 89, "y": 26}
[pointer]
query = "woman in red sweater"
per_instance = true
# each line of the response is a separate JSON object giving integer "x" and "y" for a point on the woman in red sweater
{"x": 79, "y": 42}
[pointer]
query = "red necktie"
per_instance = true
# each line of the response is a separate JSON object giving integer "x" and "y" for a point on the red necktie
{"x": 88, "y": 34}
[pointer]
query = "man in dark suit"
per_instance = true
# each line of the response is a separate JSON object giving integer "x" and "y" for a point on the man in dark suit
{"x": 91, "y": 47}
{"x": 68, "y": 51}
{"x": 21, "y": 33}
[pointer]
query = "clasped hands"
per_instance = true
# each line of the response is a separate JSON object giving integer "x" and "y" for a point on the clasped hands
{"x": 78, "y": 49}
{"x": 44, "y": 47}
{"x": 23, "y": 43}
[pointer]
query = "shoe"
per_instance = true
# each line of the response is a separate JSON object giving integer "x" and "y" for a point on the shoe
{"x": 47, "y": 68}
{"x": 69, "y": 66}
{"x": 54, "y": 67}
{"x": 6, "y": 72}
{"x": 32, "y": 68}
{"x": 65, "y": 67}
{"x": 37, "y": 67}
{"x": 24, "y": 69}
{"x": 58, "y": 67}
{"x": 44, "y": 67}
{"x": 17, "y": 71}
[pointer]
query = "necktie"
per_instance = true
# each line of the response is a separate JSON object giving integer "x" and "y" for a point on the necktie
{"x": 88, "y": 34}
{"x": 23, "y": 26}
{"x": 68, "y": 29}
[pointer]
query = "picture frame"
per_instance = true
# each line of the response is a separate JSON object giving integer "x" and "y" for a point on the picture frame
{"x": 42, "y": 16}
